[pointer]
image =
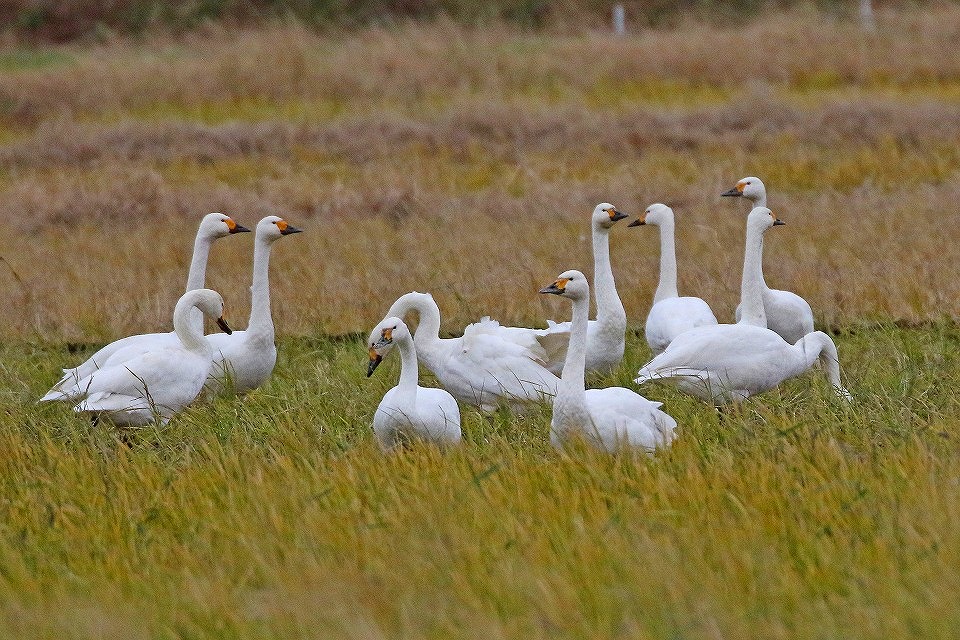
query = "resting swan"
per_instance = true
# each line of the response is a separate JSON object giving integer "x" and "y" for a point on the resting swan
{"x": 486, "y": 367}
{"x": 731, "y": 362}
{"x": 606, "y": 418}
{"x": 670, "y": 314}
{"x": 141, "y": 386}
{"x": 787, "y": 313}
{"x": 606, "y": 334}
{"x": 244, "y": 360}
{"x": 212, "y": 227}
{"x": 409, "y": 409}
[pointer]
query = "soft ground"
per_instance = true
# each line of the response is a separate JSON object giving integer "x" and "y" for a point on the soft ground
{"x": 465, "y": 163}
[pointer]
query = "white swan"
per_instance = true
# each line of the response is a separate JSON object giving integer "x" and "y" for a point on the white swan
{"x": 156, "y": 383}
{"x": 606, "y": 334}
{"x": 244, "y": 360}
{"x": 730, "y": 362}
{"x": 670, "y": 314}
{"x": 787, "y": 313}
{"x": 486, "y": 367}
{"x": 409, "y": 409}
{"x": 607, "y": 418}
{"x": 212, "y": 227}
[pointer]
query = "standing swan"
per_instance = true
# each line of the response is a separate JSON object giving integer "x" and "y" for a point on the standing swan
{"x": 731, "y": 362}
{"x": 787, "y": 313}
{"x": 212, "y": 227}
{"x": 244, "y": 360}
{"x": 606, "y": 334}
{"x": 409, "y": 409}
{"x": 156, "y": 383}
{"x": 607, "y": 418}
{"x": 670, "y": 314}
{"x": 485, "y": 368}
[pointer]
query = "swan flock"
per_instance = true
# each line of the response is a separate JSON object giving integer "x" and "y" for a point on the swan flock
{"x": 149, "y": 378}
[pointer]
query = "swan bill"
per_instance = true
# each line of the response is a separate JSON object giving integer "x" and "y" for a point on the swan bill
{"x": 557, "y": 288}
{"x": 375, "y": 360}
{"x": 224, "y": 326}
{"x": 286, "y": 228}
{"x": 616, "y": 215}
{"x": 234, "y": 227}
{"x": 639, "y": 222}
{"x": 736, "y": 192}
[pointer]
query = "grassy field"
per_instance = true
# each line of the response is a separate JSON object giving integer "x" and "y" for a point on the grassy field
{"x": 465, "y": 163}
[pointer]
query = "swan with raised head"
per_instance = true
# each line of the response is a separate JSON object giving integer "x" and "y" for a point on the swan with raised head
{"x": 245, "y": 359}
{"x": 156, "y": 383}
{"x": 409, "y": 410}
{"x": 607, "y": 418}
{"x": 731, "y": 362}
{"x": 606, "y": 336}
{"x": 486, "y": 367}
{"x": 788, "y": 314}
{"x": 671, "y": 313}
{"x": 212, "y": 227}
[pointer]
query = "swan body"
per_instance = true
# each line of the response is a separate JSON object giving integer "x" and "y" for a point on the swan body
{"x": 245, "y": 359}
{"x": 608, "y": 418}
{"x": 606, "y": 336}
{"x": 731, "y": 362}
{"x": 212, "y": 227}
{"x": 671, "y": 313}
{"x": 409, "y": 409}
{"x": 788, "y": 314}
{"x": 156, "y": 383}
{"x": 488, "y": 366}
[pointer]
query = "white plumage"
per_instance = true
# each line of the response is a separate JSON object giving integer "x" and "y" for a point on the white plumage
{"x": 670, "y": 314}
{"x": 409, "y": 410}
{"x": 607, "y": 418}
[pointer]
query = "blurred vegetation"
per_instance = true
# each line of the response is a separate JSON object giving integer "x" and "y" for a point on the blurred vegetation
{"x": 52, "y": 20}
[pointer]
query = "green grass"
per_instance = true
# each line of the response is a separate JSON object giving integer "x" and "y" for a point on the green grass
{"x": 22, "y": 59}
{"x": 275, "y": 516}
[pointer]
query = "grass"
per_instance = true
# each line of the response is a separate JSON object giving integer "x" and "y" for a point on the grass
{"x": 464, "y": 162}
{"x": 277, "y": 516}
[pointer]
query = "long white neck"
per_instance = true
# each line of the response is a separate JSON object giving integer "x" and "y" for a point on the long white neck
{"x": 610, "y": 312}
{"x": 261, "y": 321}
{"x": 427, "y": 336}
{"x": 751, "y": 285}
{"x": 572, "y": 381}
{"x": 197, "y": 276}
{"x": 408, "y": 371}
{"x": 819, "y": 346}
{"x": 668, "y": 264}
{"x": 188, "y": 333}
{"x": 761, "y": 200}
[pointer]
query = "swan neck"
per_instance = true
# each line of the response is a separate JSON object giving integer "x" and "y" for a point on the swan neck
{"x": 197, "y": 276}
{"x": 667, "y": 288}
{"x": 428, "y": 323}
{"x": 819, "y": 346}
{"x": 751, "y": 285}
{"x": 189, "y": 334}
{"x": 261, "y": 321}
{"x": 610, "y": 310}
{"x": 572, "y": 379}
{"x": 408, "y": 368}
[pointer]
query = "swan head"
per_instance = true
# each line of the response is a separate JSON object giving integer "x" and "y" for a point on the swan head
{"x": 762, "y": 218}
{"x": 274, "y": 227}
{"x": 210, "y": 304}
{"x": 219, "y": 225}
{"x": 569, "y": 284}
{"x": 605, "y": 215}
{"x": 382, "y": 340}
{"x": 750, "y": 188}
{"x": 656, "y": 214}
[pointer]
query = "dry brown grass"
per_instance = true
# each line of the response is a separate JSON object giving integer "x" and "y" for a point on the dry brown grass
{"x": 466, "y": 162}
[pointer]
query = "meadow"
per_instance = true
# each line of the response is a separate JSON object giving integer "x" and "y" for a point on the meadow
{"x": 465, "y": 162}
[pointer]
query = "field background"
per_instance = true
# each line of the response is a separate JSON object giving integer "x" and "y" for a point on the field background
{"x": 465, "y": 161}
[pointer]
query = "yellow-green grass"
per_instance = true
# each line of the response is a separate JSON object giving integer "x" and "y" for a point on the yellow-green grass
{"x": 274, "y": 516}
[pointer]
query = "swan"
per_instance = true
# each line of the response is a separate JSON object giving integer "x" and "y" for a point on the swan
{"x": 731, "y": 362}
{"x": 409, "y": 409}
{"x": 143, "y": 385}
{"x": 486, "y": 367}
{"x": 605, "y": 335}
{"x": 670, "y": 314}
{"x": 787, "y": 313}
{"x": 245, "y": 359}
{"x": 212, "y": 227}
{"x": 607, "y": 418}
